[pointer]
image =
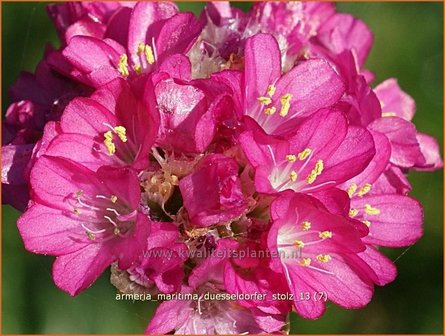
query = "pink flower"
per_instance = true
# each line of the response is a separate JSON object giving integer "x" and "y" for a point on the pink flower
{"x": 323, "y": 153}
{"x": 84, "y": 18}
{"x": 320, "y": 252}
{"x": 117, "y": 127}
{"x": 137, "y": 43}
{"x": 201, "y": 315}
{"x": 87, "y": 220}
{"x": 212, "y": 193}
{"x": 161, "y": 261}
{"x": 278, "y": 102}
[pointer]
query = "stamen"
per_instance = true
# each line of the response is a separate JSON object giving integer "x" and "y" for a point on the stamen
{"x": 271, "y": 90}
{"x": 304, "y": 154}
{"x": 149, "y": 54}
{"x": 299, "y": 243}
{"x": 91, "y": 236}
{"x": 121, "y": 133}
{"x": 318, "y": 169}
{"x": 306, "y": 225}
{"x": 285, "y": 104}
{"x": 389, "y": 114}
{"x": 123, "y": 65}
{"x": 293, "y": 175}
{"x": 366, "y": 222}
{"x": 366, "y": 188}
{"x": 77, "y": 211}
{"x": 141, "y": 48}
{"x": 305, "y": 262}
{"x": 370, "y": 210}
{"x": 353, "y": 213}
{"x": 113, "y": 198}
{"x": 264, "y": 100}
{"x": 325, "y": 234}
{"x": 291, "y": 158}
{"x": 352, "y": 189}
{"x": 111, "y": 148}
{"x": 137, "y": 68}
{"x": 270, "y": 110}
{"x": 324, "y": 258}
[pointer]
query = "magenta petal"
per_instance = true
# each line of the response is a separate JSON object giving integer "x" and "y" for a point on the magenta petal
{"x": 384, "y": 268}
{"x": 377, "y": 165}
{"x": 84, "y": 28}
{"x": 405, "y": 150}
{"x": 76, "y": 271}
{"x": 397, "y": 223}
{"x": 47, "y": 231}
{"x": 351, "y": 158}
{"x": 212, "y": 194}
{"x": 431, "y": 152}
{"x": 177, "y": 35}
{"x": 82, "y": 149}
{"x": 15, "y": 158}
{"x": 168, "y": 316}
{"x": 177, "y": 66}
{"x": 86, "y": 116}
{"x": 343, "y": 31}
{"x": 395, "y": 101}
{"x": 143, "y": 16}
{"x": 262, "y": 66}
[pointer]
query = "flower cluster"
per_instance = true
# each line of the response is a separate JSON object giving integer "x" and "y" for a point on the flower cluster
{"x": 235, "y": 154}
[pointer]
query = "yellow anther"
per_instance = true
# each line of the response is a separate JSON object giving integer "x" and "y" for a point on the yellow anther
{"x": 121, "y": 133}
{"x": 271, "y": 90}
{"x": 389, "y": 114}
{"x": 353, "y": 212}
{"x": 318, "y": 169}
{"x": 78, "y": 194}
{"x": 304, "y": 154}
{"x": 141, "y": 48}
{"x": 116, "y": 231}
{"x": 291, "y": 158}
{"x": 382, "y": 103}
{"x": 270, "y": 110}
{"x": 311, "y": 177}
{"x": 123, "y": 65}
{"x": 370, "y": 210}
{"x": 325, "y": 234}
{"x": 149, "y": 54}
{"x": 319, "y": 166}
{"x": 299, "y": 243}
{"x": 293, "y": 175}
{"x": 366, "y": 222}
{"x": 77, "y": 211}
{"x": 264, "y": 100}
{"x": 306, "y": 225}
{"x": 305, "y": 262}
{"x": 109, "y": 143}
{"x": 324, "y": 258}
{"x": 137, "y": 68}
{"x": 352, "y": 189}
{"x": 113, "y": 198}
{"x": 365, "y": 189}
{"x": 285, "y": 104}
{"x": 91, "y": 236}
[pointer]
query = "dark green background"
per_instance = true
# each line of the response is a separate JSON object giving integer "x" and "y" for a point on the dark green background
{"x": 408, "y": 46}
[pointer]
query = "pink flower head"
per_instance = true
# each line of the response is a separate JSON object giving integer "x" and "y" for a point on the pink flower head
{"x": 137, "y": 43}
{"x": 319, "y": 253}
{"x": 208, "y": 315}
{"x": 161, "y": 261}
{"x": 116, "y": 127}
{"x": 83, "y": 18}
{"x": 277, "y": 102}
{"x": 314, "y": 158}
{"x": 212, "y": 193}
{"x": 88, "y": 220}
